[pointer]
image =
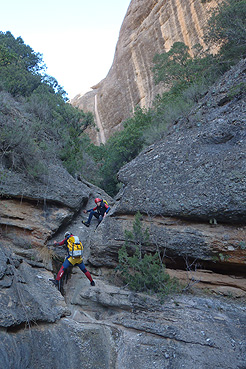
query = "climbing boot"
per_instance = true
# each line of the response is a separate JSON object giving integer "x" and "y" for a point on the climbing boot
{"x": 92, "y": 283}
{"x": 85, "y": 223}
{"x": 54, "y": 281}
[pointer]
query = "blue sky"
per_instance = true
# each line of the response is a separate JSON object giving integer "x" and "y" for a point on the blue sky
{"x": 77, "y": 37}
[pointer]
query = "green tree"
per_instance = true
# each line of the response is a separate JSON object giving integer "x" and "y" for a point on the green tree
{"x": 179, "y": 70}
{"x": 6, "y": 56}
{"x": 17, "y": 80}
{"x": 23, "y": 53}
{"x": 75, "y": 143}
{"x": 20, "y": 66}
{"x": 227, "y": 29}
{"x": 172, "y": 66}
{"x": 142, "y": 271}
{"x": 21, "y": 69}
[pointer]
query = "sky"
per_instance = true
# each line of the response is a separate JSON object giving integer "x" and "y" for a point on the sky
{"x": 77, "y": 38}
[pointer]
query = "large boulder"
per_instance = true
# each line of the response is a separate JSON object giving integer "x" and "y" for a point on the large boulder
{"x": 26, "y": 295}
{"x": 198, "y": 171}
{"x": 56, "y": 186}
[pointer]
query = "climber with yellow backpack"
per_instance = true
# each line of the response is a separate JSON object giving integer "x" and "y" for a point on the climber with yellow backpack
{"x": 99, "y": 211}
{"x": 75, "y": 257}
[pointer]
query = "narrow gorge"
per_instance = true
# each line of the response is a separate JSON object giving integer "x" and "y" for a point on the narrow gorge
{"x": 190, "y": 188}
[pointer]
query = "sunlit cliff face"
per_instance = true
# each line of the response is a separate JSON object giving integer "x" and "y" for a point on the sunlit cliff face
{"x": 146, "y": 30}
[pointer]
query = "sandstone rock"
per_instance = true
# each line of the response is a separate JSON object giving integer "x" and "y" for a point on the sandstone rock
{"x": 220, "y": 284}
{"x": 146, "y": 31}
{"x": 183, "y": 244}
{"x": 29, "y": 223}
{"x": 32, "y": 211}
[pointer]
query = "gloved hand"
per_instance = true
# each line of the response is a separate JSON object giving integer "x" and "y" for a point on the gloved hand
{"x": 56, "y": 243}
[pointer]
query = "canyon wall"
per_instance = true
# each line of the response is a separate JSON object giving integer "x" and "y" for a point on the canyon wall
{"x": 150, "y": 27}
{"x": 190, "y": 188}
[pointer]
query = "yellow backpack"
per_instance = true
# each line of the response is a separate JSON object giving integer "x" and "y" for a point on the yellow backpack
{"x": 75, "y": 247}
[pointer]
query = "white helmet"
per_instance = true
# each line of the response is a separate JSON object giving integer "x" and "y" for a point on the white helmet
{"x": 67, "y": 234}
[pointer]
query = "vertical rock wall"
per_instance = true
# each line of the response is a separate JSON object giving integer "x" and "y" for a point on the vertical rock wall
{"x": 149, "y": 27}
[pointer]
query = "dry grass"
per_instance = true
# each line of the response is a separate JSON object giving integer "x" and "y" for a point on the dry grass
{"x": 46, "y": 254}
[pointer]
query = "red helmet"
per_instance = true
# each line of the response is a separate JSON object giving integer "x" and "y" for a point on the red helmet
{"x": 97, "y": 200}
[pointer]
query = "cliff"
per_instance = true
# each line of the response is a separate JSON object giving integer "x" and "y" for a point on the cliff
{"x": 190, "y": 186}
{"x": 145, "y": 31}
{"x": 194, "y": 206}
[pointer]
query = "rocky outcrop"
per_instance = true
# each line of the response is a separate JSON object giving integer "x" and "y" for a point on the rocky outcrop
{"x": 148, "y": 28}
{"x": 20, "y": 303}
{"x": 110, "y": 327}
{"x": 57, "y": 186}
{"x": 190, "y": 189}
{"x": 36, "y": 330}
{"x": 198, "y": 171}
{"x": 31, "y": 211}
{"x": 163, "y": 335}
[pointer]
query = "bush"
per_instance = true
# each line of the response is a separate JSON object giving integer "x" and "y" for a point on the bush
{"x": 19, "y": 151}
{"x": 120, "y": 149}
{"x": 141, "y": 271}
{"x": 20, "y": 66}
{"x": 227, "y": 28}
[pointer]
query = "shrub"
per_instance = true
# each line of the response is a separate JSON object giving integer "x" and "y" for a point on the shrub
{"x": 227, "y": 28}
{"x": 120, "y": 149}
{"x": 143, "y": 272}
{"x": 20, "y": 66}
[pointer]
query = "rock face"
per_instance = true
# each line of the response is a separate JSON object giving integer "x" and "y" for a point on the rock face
{"x": 32, "y": 211}
{"x": 148, "y": 28}
{"x": 56, "y": 186}
{"x": 197, "y": 173}
{"x": 107, "y": 327}
{"x": 190, "y": 188}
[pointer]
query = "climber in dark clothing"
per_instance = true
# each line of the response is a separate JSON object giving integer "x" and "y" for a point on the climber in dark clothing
{"x": 98, "y": 211}
{"x": 73, "y": 245}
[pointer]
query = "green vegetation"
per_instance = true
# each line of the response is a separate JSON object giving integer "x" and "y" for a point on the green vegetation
{"x": 120, "y": 149}
{"x": 187, "y": 79}
{"x": 227, "y": 28}
{"x": 48, "y": 127}
{"x": 142, "y": 271}
{"x": 20, "y": 66}
{"x": 36, "y": 123}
